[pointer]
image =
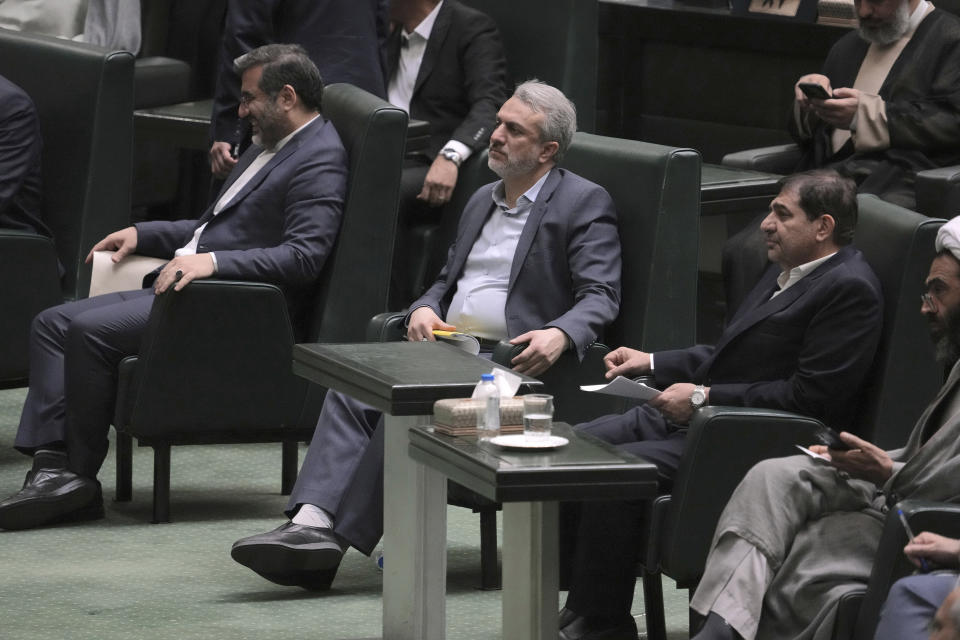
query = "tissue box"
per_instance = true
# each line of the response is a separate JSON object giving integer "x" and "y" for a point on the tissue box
{"x": 458, "y": 416}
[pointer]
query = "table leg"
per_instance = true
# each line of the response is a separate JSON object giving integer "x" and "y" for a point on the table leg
{"x": 414, "y": 540}
{"x": 530, "y": 570}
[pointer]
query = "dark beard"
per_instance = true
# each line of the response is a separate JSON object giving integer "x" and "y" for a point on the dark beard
{"x": 946, "y": 339}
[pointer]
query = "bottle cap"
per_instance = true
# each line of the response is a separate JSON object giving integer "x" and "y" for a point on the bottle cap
{"x": 486, "y": 377}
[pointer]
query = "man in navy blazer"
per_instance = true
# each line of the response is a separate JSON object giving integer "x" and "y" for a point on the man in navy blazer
{"x": 802, "y": 341}
{"x": 275, "y": 220}
{"x": 536, "y": 258}
{"x": 342, "y": 38}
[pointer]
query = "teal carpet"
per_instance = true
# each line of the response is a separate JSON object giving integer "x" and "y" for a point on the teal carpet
{"x": 124, "y": 578}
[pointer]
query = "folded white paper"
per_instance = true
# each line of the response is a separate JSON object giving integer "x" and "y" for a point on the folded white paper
{"x": 109, "y": 276}
{"x": 624, "y": 387}
{"x": 507, "y": 383}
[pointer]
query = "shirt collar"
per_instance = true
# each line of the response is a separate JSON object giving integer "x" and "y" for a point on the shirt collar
{"x": 525, "y": 200}
{"x": 918, "y": 15}
{"x": 426, "y": 25}
{"x": 791, "y": 277}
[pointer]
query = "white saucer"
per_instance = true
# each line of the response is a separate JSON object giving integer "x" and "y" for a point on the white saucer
{"x": 520, "y": 441}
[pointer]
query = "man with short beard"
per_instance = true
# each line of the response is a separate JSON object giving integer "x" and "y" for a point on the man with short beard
{"x": 536, "y": 259}
{"x": 800, "y": 532}
{"x": 895, "y": 105}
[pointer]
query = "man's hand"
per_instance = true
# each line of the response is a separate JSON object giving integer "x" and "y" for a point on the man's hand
{"x": 189, "y": 267}
{"x": 944, "y": 552}
{"x": 839, "y": 110}
{"x": 544, "y": 346}
{"x": 422, "y": 323}
{"x": 439, "y": 183}
{"x": 123, "y": 242}
{"x": 222, "y": 161}
{"x": 814, "y": 78}
{"x": 626, "y": 362}
{"x": 864, "y": 460}
{"x": 674, "y": 402}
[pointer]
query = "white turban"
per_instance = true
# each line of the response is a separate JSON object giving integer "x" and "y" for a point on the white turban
{"x": 948, "y": 238}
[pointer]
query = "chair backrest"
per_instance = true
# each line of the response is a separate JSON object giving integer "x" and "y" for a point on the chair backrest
{"x": 554, "y": 40}
{"x": 656, "y": 191}
{"x": 899, "y": 245}
{"x": 84, "y": 98}
{"x": 357, "y": 275}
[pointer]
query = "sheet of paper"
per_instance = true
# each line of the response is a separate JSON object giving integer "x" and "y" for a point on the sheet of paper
{"x": 811, "y": 453}
{"x": 125, "y": 275}
{"x": 624, "y": 387}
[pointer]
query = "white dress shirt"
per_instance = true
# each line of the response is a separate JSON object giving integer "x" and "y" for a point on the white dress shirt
{"x": 403, "y": 81}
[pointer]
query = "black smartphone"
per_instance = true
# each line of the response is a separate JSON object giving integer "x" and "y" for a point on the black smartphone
{"x": 814, "y": 90}
{"x": 831, "y": 439}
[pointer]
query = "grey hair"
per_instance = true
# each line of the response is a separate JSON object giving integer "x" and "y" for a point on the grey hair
{"x": 285, "y": 64}
{"x": 560, "y": 115}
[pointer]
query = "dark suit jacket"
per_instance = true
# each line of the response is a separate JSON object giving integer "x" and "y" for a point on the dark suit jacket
{"x": 922, "y": 96}
{"x": 462, "y": 80}
{"x": 20, "y": 199}
{"x": 566, "y": 269}
{"x": 343, "y": 39}
{"x": 808, "y": 350}
{"x": 281, "y": 226}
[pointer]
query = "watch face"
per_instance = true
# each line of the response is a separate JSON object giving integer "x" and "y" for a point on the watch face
{"x": 697, "y": 398}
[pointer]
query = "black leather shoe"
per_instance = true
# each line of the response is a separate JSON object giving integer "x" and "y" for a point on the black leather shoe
{"x": 49, "y": 496}
{"x": 596, "y": 628}
{"x": 292, "y": 555}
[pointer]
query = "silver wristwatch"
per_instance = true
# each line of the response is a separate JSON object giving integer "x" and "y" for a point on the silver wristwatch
{"x": 452, "y": 156}
{"x": 699, "y": 396}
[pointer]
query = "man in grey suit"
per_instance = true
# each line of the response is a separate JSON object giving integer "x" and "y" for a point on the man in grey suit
{"x": 536, "y": 258}
{"x": 275, "y": 220}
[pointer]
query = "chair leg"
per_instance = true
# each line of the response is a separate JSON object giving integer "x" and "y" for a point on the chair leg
{"x": 653, "y": 604}
{"x": 161, "y": 483}
{"x": 124, "y": 467}
{"x": 288, "y": 466}
{"x": 489, "y": 574}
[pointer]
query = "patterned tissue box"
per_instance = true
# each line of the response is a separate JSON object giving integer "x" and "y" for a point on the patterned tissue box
{"x": 458, "y": 416}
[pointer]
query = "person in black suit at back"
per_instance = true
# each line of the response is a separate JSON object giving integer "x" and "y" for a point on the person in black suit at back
{"x": 343, "y": 39}
{"x": 445, "y": 64}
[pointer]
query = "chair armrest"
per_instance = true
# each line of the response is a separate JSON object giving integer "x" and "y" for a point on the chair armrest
{"x": 781, "y": 158}
{"x": 231, "y": 342}
{"x": 722, "y": 444}
{"x": 418, "y": 137}
{"x": 890, "y": 563}
{"x": 158, "y": 81}
{"x": 386, "y": 327}
{"x": 938, "y": 192}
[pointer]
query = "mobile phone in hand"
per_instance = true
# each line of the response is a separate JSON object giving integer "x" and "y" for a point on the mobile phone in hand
{"x": 814, "y": 90}
{"x": 830, "y": 438}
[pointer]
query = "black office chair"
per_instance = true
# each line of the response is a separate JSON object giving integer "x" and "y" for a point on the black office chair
{"x": 86, "y": 120}
{"x": 724, "y": 442}
{"x": 233, "y": 340}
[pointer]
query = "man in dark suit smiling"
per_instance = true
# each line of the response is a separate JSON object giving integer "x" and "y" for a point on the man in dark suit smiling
{"x": 808, "y": 330}
{"x": 275, "y": 220}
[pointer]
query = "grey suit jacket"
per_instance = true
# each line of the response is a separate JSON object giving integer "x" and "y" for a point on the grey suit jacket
{"x": 566, "y": 269}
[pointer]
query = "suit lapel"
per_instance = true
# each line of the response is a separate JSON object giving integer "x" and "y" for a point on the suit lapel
{"x": 465, "y": 242}
{"x": 393, "y": 51}
{"x": 532, "y": 225}
{"x": 432, "y": 51}
{"x": 284, "y": 153}
{"x": 764, "y": 307}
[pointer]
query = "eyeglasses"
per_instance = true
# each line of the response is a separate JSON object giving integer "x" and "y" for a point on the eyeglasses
{"x": 929, "y": 300}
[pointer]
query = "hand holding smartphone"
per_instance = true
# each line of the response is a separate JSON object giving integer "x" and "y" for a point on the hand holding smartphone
{"x": 830, "y": 438}
{"x": 814, "y": 90}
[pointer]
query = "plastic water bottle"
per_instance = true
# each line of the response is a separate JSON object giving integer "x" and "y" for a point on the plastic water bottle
{"x": 488, "y": 416}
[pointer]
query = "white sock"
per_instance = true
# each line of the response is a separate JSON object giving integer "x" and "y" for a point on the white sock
{"x": 310, "y": 515}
